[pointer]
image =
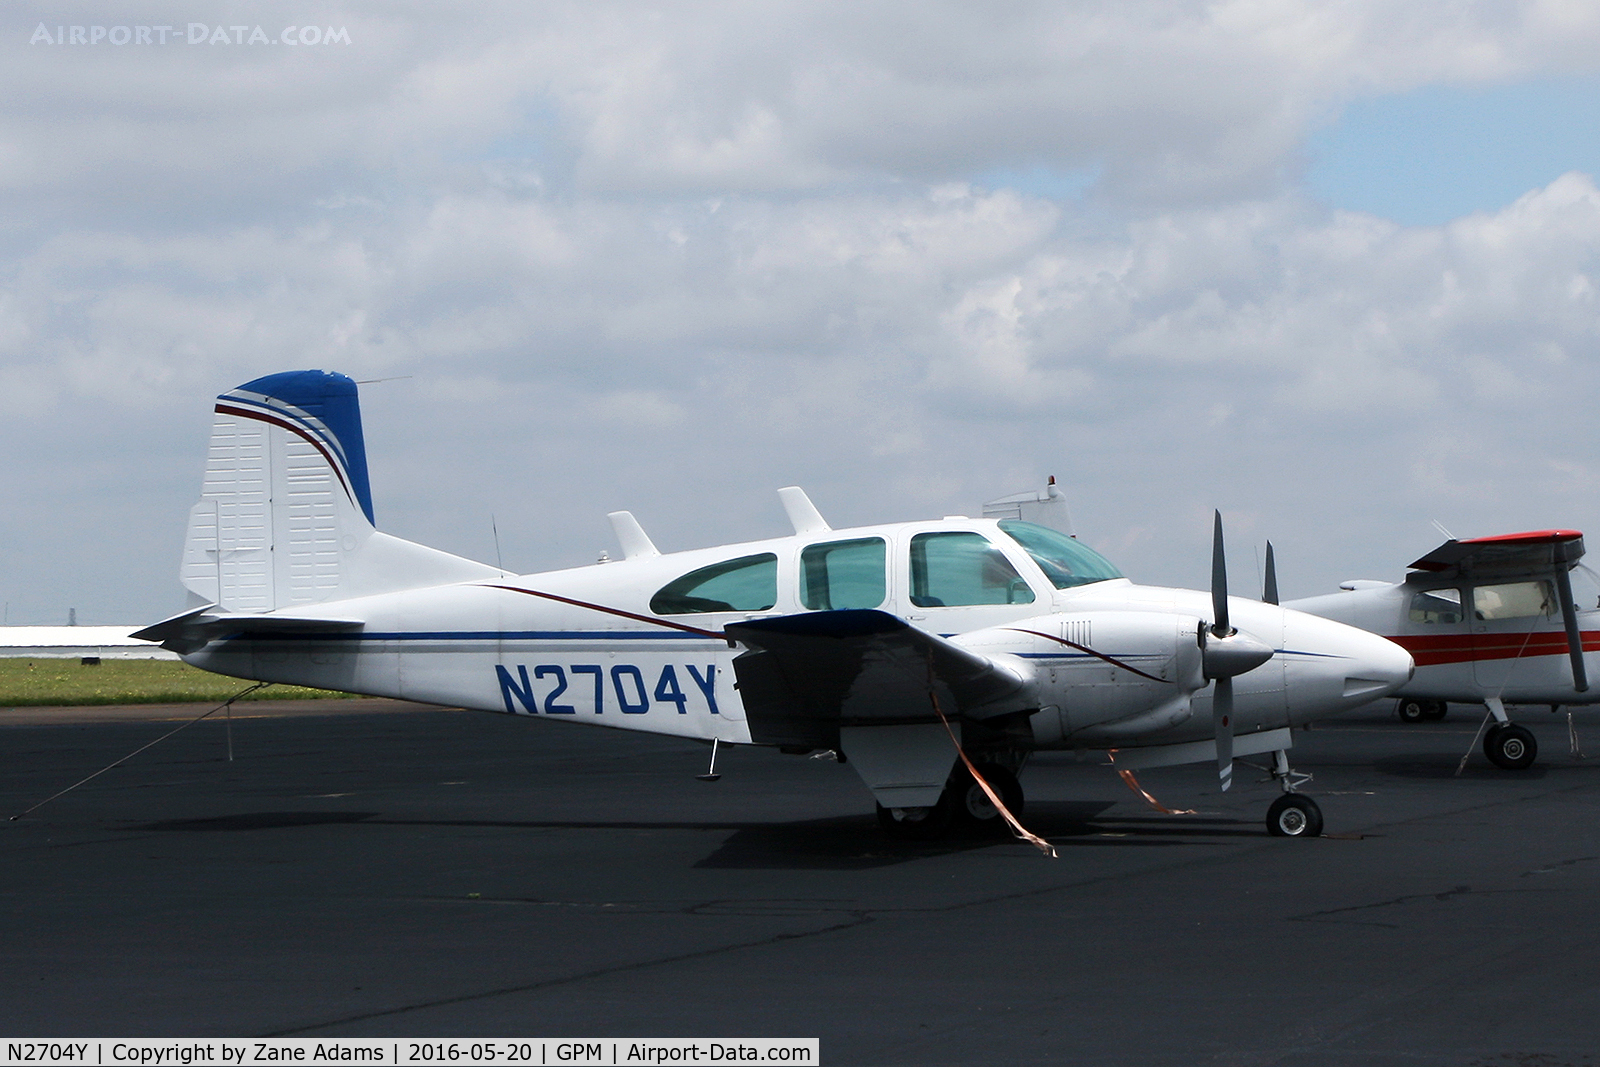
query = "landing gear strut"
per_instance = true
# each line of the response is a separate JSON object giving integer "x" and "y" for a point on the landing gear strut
{"x": 1293, "y": 814}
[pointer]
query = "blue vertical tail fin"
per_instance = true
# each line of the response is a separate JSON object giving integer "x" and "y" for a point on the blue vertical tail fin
{"x": 285, "y": 516}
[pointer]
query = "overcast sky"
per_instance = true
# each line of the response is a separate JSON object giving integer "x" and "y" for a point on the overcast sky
{"x": 1330, "y": 267}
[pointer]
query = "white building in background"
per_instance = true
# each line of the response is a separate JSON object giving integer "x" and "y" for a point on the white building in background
{"x": 76, "y": 642}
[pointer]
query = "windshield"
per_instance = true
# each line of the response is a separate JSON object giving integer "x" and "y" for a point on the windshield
{"x": 1064, "y": 560}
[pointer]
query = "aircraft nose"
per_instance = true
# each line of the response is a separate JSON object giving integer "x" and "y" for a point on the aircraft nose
{"x": 1332, "y": 667}
{"x": 1376, "y": 667}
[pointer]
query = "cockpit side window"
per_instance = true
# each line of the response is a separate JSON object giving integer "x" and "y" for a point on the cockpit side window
{"x": 1065, "y": 560}
{"x": 843, "y": 574}
{"x": 954, "y": 569}
{"x": 749, "y": 583}
{"x": 1436, "y": 606}
{"x": 1513, "y": 600}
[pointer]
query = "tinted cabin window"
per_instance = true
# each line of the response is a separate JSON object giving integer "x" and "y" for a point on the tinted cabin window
{"x": 1436, "y": 606}
{"x": 1066, "y": 561}
{"x": 843, "y": 574}
{"x": 957, "y": 569}
{"x": 749, "y": 583}
{"x": 1514, "y": 600}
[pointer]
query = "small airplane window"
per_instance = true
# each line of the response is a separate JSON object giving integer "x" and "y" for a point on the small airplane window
{"x": 844, "y": 574}
{"x": 959, "y": 568}
{"x": 749, "y": 583}
{"x": 1432, "y": 606}
{"x": 1513, "y": 600}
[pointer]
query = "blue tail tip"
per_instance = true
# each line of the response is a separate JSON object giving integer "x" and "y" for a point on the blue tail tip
{"x": 323, "y": 404}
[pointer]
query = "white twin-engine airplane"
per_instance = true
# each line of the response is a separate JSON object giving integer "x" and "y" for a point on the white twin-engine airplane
{"x": 1490, "y": 620}
{"x": 895, "y": 647}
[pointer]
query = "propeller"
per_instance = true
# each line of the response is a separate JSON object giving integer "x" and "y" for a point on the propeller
{"x": 1224, "y": 653}
{"x": 1269, "y": 582}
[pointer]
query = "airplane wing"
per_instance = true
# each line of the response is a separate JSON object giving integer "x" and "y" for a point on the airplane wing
{"x": 1535, "y": 551}
{"x": 1511, "y": 556}
{"x": 802, "y": 677}
{"x": 192, "y": 630}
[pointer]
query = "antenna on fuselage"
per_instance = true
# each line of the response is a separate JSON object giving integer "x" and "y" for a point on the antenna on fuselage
{"x": 636, "y": 544}
{"x": 803, "y": 514}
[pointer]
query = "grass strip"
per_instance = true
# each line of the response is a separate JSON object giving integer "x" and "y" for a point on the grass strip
{"x": 39, "y": 682}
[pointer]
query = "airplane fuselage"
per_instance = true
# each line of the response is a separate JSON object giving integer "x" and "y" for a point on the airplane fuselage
{"x": 1466, "y": 654}
{"x": 1104, "y": 664}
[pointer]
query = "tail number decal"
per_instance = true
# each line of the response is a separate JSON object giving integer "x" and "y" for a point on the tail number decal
{"x": 548, "y": 685}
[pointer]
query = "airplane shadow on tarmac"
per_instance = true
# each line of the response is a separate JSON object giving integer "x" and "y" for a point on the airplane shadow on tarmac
{"x": 853, "y": 842}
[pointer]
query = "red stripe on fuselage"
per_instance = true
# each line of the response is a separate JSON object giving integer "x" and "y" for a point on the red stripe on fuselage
{"x": 1432, "y": 649}
{"x": 618, "y": 612}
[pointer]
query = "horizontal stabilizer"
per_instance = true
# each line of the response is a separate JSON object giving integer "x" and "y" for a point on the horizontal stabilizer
{"x": 194, "y": 629}
{"x": 804, "y": 676}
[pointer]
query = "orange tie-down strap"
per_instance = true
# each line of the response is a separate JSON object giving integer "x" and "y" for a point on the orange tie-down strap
{"x": 994, "y": 798}
{"x": 1133, "y": 784}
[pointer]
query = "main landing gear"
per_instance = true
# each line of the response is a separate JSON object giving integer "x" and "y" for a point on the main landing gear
{"x": 1293, "y": 814}
{"x": 963, "y": 807}
{"x": 1510, "y": 746}
{"x": 1416, "y": 709}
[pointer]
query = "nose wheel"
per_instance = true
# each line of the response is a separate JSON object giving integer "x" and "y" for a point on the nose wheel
{"x": 1293, "y": 814}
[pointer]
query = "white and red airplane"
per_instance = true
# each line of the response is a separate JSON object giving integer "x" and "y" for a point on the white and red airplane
{"x": 933, "y": 657}
{"x": 1489, "y": 620}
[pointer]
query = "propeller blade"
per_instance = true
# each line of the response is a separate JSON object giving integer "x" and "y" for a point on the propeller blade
{"x": 1269, "y": 583}
{"x": 1219, "y": 582}
{"x": 1222, "y": 721}
{"x": 1569, "y": 619}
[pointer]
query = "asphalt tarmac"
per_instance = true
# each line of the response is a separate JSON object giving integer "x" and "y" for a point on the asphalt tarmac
{"x": 373, "y": 868}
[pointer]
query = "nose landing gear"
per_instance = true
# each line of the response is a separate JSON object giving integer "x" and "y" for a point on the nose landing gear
{"x": 1293, "y": 814}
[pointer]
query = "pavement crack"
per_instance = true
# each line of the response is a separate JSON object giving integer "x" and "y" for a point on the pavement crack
{"x": 552, "y": 983}
{"x": 1326, "y": 915}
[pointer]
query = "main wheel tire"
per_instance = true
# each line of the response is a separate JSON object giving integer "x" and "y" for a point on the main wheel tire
{"x": 1511, "y": 747}
{"x": 972, "y": 807}
{"x": 1437, "y": 710}
{"x": 1411, "y": 709}
{"x": 917, "y": 824}
{"x": 1294, "y": 815}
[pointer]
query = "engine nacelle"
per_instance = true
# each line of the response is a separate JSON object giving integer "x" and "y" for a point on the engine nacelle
{"x": 1108, "y": 672}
